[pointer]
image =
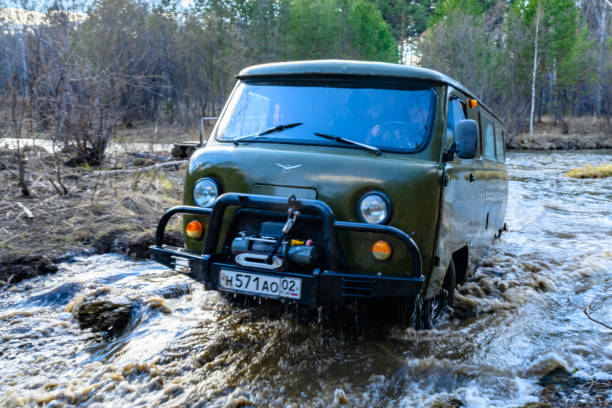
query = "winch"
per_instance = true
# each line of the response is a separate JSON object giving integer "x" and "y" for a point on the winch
{"x": 272, "y": 247}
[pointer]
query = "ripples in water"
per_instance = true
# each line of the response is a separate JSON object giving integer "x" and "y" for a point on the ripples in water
{"x": 165, "y": 340}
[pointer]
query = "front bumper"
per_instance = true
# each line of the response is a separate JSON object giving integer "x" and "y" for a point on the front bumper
{"x": 327, "y": 284}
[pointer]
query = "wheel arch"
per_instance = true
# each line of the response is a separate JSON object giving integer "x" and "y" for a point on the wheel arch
{"x": 434, "y": 282}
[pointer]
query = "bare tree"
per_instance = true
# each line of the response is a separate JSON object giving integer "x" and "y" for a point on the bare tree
{"x": 603, "y": 54}
{"x": 86, "y": 84}
{"x": 13, "y": 105}
{"x": 535, "y": 67}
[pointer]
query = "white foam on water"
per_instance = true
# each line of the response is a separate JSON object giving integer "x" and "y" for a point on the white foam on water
{"x": 528, "y": 299}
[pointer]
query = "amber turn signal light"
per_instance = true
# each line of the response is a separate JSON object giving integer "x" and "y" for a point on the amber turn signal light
{"x": 194, "y": 230}
{"x": 381, "y": 250}
{"x": 472, "y": 103}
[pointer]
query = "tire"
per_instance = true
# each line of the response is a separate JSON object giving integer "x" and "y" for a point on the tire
{"x": 429, "y": 312}
{"x": 404, "y": 310}
{"x": 422, "y": 314}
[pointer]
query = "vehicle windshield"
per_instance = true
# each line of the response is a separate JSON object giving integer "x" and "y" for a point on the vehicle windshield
{"x": 391, "y": 119}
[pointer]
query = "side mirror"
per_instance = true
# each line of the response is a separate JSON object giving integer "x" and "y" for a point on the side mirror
{"x": 203, "y": 119}
{"x": 466, "y": 138}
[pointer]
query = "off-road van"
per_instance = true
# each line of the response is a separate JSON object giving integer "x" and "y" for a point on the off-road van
{"x": 328, "y": 181}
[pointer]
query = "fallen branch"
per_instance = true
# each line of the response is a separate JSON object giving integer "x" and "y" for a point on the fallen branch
{"x": 56, "y": 210}
{"x": 26, "y": 211}
{"x": 587, "y": 309}
{"x": 140, "y": 169}
{"x": 587, "y": 312}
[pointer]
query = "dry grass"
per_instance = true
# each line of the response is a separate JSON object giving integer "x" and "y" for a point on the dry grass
{"x": 104, "y": 213}
{"x": 588, "y": 171}
{"x": 583, "y": 125}
{"x": 581, "y": 133}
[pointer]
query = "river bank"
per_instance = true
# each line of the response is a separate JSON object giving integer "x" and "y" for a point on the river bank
{"x": 75, "y": 210}
{"x": 582, "y": 133}
{"x": 558, "y": 141}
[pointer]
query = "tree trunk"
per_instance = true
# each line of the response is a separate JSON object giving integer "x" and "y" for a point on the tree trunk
{"x": 23, "y": 184}
{"x": 602, "y": 59}
{"x": 535, "y": 68}
{"x": 541, "y": 104}
{"x": 402, "y": 40}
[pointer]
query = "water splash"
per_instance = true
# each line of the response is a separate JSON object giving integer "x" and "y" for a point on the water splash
{"x": 518, "y": 323}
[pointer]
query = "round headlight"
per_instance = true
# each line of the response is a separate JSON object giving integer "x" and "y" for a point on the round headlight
{"x": 375, "y": 208}
{"x": 205, "y": 192}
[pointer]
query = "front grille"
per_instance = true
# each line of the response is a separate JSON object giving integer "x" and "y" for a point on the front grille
{"x": 358, "y": 287}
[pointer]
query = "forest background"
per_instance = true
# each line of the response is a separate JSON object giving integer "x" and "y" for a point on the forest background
{"x": 79, "y": 71}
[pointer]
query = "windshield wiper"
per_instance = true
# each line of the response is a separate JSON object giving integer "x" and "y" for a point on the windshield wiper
{"x": 364, "y": 146}
{"x": 273, "y": 129}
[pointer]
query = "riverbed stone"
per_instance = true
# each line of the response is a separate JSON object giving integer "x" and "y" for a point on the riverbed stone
{"x": 175, "y": 290}
{"x": 238, "y": 402}
{"x": 108, "y": 317}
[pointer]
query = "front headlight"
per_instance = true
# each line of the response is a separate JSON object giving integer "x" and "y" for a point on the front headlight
{"x": 205, "y": 192}
{"x": 375, "y": 208}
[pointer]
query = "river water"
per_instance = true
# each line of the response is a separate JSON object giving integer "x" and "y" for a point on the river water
{"x": 185, "y": 345}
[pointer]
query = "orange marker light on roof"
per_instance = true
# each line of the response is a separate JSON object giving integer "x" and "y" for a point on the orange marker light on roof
{"x": 381, "y": 250}
{"x": 194, "y": 230}
{"x": 472, "y": 103}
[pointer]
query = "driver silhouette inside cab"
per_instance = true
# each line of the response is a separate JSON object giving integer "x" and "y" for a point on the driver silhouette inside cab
{"x": 363, "y": 115}
{"x": 397, "y": 123}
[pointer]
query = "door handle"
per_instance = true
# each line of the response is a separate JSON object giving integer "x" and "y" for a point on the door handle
{"x": 472, "y": 178}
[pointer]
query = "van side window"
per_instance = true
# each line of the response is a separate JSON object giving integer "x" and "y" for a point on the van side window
{"x": 488, "y": 136}
{"x": 456, "y": 112}
{"x": 499, "y": 144}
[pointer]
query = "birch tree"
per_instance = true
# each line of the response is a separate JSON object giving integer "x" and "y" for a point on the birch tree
{"x": 604, "y": 51}
{"x": 535, "y": 68}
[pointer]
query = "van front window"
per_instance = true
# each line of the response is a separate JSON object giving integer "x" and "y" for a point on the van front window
{"x": 391, "y": 119}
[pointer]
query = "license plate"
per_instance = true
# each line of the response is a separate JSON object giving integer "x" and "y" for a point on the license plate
{"x": 265, "y": 285}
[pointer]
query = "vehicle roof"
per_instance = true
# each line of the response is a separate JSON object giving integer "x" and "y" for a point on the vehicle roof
{"x": 356, "y": 68}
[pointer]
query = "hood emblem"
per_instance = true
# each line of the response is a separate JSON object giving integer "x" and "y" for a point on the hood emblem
{"x": 287, "y": 167}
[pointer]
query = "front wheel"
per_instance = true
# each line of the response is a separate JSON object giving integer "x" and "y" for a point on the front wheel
{"x": 429, "y": 312}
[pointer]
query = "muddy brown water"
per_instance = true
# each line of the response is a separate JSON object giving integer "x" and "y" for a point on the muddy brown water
{"x": 178, "y": 344}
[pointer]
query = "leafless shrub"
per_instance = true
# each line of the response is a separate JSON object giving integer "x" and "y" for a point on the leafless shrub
{"x": 83, "y": 92}
{"x": 12, "y": 117}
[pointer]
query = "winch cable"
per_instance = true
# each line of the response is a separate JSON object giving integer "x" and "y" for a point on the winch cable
{"x": 292, "y": 215}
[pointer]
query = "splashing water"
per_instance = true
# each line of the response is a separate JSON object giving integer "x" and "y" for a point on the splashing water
{"x": 146, "y": 335}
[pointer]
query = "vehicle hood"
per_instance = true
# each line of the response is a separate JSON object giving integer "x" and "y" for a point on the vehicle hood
{"x": 340, "y": 176}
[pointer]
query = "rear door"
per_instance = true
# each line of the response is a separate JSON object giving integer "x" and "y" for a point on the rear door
{"x": 498, "y": 189}
{"x": 488, "y": 171}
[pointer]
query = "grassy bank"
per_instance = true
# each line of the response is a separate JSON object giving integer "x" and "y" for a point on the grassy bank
{"x": 588, "y": 171}
{"x": 574, "y": 134}
{"x": 82, "y": 209}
